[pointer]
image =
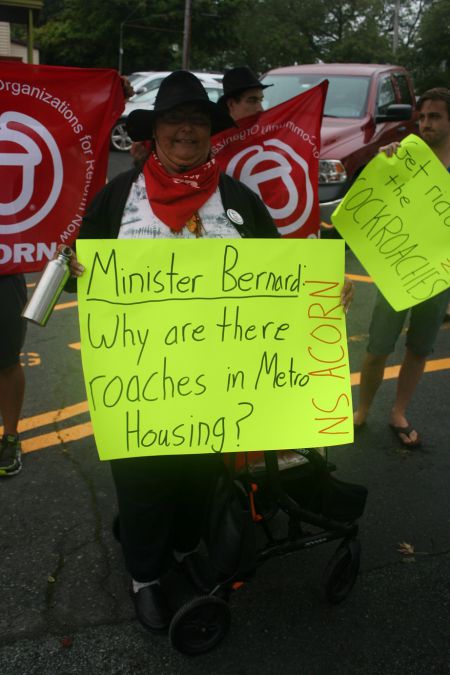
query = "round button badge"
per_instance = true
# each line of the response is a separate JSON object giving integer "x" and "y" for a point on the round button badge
{"x": 235, "y": 217}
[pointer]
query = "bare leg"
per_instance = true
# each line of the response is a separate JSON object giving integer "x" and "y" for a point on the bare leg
{"x": 408, "y": 379}
{"x": 12, "y": 389}
{"x": 372, "y": 371}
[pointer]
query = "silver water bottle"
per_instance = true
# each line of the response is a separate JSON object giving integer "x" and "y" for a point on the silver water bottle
{"x": 48, "y": 288}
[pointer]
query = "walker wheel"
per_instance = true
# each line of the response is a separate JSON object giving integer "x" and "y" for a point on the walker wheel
{"x": 200, "y": 625}
{"x": 340, "y": 574}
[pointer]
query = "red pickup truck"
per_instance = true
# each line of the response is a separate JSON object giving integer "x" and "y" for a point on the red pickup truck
{"x": 367, "y": 106}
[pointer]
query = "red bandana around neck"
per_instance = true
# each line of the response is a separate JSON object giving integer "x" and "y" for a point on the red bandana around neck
{"x": 174, "y": 198}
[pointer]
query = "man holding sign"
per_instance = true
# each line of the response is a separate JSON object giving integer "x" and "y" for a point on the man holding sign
{"x": 426, "y": 317}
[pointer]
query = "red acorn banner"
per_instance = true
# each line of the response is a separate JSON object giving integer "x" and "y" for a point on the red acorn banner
{"x": 55, "y": 125}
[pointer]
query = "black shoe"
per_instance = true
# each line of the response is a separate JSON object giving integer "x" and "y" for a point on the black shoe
{"x": 152, "y": 608}
{"x": 199, "y": 572}
{"x": 10, "y": 456}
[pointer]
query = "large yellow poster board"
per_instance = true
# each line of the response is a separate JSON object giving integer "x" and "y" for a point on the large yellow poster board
{"x": 199, "y": 346}
{"x": 396, "y": 219}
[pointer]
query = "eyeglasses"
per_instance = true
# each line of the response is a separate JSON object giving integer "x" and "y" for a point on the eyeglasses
{"x": 197, "y": 119}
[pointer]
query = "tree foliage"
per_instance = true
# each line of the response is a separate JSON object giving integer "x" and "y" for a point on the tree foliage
{"x": 432, "y": 59}
{"x": 86, "y": 33}
{"x": 260, "y": 33}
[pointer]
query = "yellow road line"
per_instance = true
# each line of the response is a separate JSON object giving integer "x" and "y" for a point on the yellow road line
{"x": 391, "y": 372}
{"x": 79, "y": 431}
{"x": 66, "y": 305}
{"x": 52, "y": 416}
{"x": 360, "y": 277}
{"x": 57, "y": 437}
{"x": 63, "y": 305}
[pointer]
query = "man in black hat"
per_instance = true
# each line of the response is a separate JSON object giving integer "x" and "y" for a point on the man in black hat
{"x": 242, "y": 93}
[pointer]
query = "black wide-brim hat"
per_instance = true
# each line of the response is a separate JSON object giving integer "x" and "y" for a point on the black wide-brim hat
{"x": 237, "y": 80}
{"x": 176, "y": 89}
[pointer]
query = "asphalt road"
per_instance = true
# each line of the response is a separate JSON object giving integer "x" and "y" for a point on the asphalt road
{"x": 65, "y": 607}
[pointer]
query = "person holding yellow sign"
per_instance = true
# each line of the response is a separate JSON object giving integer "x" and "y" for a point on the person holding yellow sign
{"x": 425, "y": 317}
{"x": 178, "y": 193}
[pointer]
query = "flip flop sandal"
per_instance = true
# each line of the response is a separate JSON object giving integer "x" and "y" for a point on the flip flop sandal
{"x": 406, "y": 431}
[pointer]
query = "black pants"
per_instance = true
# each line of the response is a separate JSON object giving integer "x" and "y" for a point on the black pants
{"x": 163, "y": 506}
{"x": 13, "y": 296}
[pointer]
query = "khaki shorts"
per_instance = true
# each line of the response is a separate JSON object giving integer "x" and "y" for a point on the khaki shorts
{"x": 424, "y": 323}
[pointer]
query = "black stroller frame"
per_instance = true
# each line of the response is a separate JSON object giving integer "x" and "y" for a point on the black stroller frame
{"x": 257, "y": 496}
{"x": 330, "y": 530}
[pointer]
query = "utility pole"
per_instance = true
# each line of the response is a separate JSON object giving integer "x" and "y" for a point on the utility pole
{"x": 187, "y": 34}
{"x": 396, "y": 26}
{"x": 123, "y": 23}
{"x": 121, "y": 47}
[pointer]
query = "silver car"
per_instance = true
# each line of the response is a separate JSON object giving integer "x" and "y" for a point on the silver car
{"x": 119, "y": 138}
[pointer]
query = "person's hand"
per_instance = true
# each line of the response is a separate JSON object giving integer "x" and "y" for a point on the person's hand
{"x": 390, "y": 149}
{"x": 347, "y": 294}
{"x": 76, "y": 268}
{"x": 128, "y": 90}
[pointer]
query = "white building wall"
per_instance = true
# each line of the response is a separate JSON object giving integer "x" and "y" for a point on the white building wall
{"x": 8, "y": 48}
{"x": 5, "y": 39}
{"x": 22, "y": 52}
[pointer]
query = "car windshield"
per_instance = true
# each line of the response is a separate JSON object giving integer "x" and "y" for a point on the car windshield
{"x": 147, "y": 85}
{"x": 134, "y": 77}
{"x": 346, "y": 96}
{"x": 149, "y": 97}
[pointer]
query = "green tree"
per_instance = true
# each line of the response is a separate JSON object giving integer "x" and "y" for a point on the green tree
{"x": 86, "y": 33}
{"x": 352, "y": 32}
{"x": 214, "y": 32}
{"x": 260, "y": 33}
{"x": 282, "y": 32}
{"x": 432, "y": 57}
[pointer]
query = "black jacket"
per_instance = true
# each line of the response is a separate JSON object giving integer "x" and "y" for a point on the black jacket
{"x": 104, "y": 216}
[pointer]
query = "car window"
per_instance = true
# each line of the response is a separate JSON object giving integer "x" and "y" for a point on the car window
{"x": 134, "y": 77}
{"x": 138, "y": 80}
{"x": 149, "y": 97}
{"x": 214, "y": 77}
{"x": 403, "y": 87}
{"x": 386, "y": 94}
{"x": 145, "y": 85}
{"x": 214, "y": 93}
{"x": 346, "y": 96}
{"x": 151, "y": 82}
